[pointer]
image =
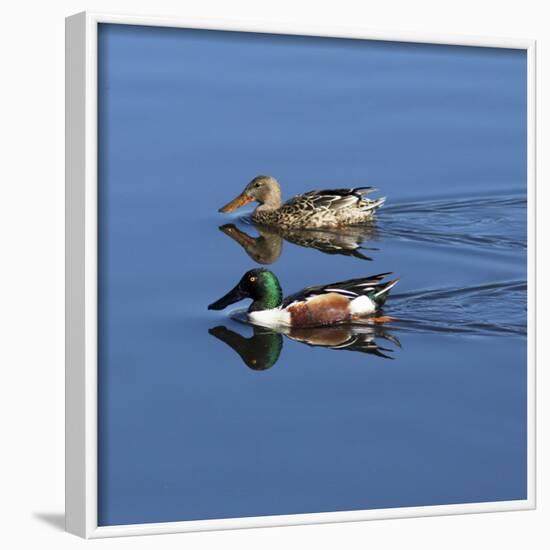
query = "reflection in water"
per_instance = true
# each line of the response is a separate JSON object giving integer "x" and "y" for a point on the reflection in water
{"x": 262, "y": 350}
{"x": 259, "y": 352}
{"x": 268, "y": 246}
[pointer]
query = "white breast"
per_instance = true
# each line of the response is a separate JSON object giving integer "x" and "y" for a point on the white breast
{"x": 270, "y": 317}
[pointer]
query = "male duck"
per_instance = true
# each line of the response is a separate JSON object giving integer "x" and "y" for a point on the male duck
{"x": 343, "y": 302}
{"x": 317, "y": 209}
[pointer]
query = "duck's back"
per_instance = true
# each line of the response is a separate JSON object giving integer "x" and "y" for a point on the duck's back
{"x": 323, "y": 209}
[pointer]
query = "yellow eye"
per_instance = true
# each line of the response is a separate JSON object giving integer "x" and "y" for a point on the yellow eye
{"x": 252, "y": 279}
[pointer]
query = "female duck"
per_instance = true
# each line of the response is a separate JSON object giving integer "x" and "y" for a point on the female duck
{"x": 343, "y": 302}
{"x": 329, "y": 208}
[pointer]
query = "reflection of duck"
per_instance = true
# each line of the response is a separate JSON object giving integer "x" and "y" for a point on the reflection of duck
{"x": 268, "y": 246}
{"x": 316, "y": 209}
{"x": 335, "y": 303}
{"x": 264, "y": 249}
{"x": 262, "y": 350}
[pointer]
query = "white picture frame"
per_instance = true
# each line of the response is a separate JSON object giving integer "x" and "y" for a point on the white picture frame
{"x": 81, "y": 277}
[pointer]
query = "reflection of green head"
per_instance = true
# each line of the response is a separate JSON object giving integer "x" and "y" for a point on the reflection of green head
{"x": 260, "y": 352}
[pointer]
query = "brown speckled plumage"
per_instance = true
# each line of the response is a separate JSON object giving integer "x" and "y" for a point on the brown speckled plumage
{"x": 329, "y": 208}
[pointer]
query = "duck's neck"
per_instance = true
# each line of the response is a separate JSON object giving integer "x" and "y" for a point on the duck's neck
{"x": 272, "y": 201}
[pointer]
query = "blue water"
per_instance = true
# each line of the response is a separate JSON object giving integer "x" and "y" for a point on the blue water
{"x": 429, "y": 409}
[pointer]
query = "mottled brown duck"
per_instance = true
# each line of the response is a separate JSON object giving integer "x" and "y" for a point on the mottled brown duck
{"x": 328, "y": 208}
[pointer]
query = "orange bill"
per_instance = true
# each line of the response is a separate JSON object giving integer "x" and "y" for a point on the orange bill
{"x": 237, "y": 202}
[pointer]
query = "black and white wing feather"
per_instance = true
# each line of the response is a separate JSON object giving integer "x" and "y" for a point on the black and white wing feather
{"x": 337, "y": 199}
{"x": 352, "y": 288}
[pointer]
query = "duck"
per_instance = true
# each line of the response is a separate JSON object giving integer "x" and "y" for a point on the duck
{"x": 344, "y": 302}
{"x": 328, "y": 208}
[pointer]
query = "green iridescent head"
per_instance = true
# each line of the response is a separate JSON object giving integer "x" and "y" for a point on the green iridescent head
{"x": 261, "y": 285}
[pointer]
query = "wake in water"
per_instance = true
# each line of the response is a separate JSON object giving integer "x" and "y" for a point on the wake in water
{"x": 483, "y": 222}
{"x": 491, "y": 309}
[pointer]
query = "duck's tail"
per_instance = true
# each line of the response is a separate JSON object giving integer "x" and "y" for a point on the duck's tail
{"x": 369, "y": 204}
{"x": 374, "y": 204}
{"x": 382, "y": 291}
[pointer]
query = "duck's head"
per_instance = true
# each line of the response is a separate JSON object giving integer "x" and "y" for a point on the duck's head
{"x": 262, "y": 189}
{"x": 261, "y": 285}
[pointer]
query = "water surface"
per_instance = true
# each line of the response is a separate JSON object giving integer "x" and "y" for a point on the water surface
{"x": 187, "y": 429}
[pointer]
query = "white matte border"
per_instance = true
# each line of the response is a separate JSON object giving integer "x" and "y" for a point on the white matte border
{"x": 81, "y": 246}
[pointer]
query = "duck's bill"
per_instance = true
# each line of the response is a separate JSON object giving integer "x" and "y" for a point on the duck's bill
{"x": 237, "y": 202}
{"x": 234, "y": 295}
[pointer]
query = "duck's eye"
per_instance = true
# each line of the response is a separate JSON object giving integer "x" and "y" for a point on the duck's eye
{"x": 252, "y": 279}
{"x": 257, "y": 184}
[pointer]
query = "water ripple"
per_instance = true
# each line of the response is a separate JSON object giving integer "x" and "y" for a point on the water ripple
{"x": 492, "y": 308}
{"x": 482, "y": 222}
